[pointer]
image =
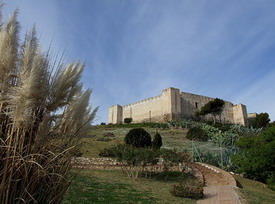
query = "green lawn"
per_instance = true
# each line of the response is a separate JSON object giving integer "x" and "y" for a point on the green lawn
{"x": 255, "y": 192}
{"x": 110, "y": 186}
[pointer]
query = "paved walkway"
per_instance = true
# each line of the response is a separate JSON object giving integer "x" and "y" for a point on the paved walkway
{"x": 219, "y": 186}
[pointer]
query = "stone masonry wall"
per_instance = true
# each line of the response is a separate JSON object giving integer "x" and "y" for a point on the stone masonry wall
{"x": 145, "y": 110}
{"x": 111, "y": 164}
{"x": 172, "y": 105}
{"x": 155, "y": 109}
{"x": 191, "y": 103}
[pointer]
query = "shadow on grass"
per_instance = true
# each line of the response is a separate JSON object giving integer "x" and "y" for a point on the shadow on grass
{"x": 86, "y": 190}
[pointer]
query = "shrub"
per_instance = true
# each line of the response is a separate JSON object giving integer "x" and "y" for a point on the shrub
{"x": 189, "y": 188}
{"x": 261, "y": 120}
{"x": 222, "y": 127}
{"x": 128, "y": 120}
{"x": 135, "y": 158}
{"x": 174, "y": 157}
{"x": 138, "y": 137}
{"x": 109, "y": 151}
{"x": 157, "y": 141}
{"x": 102, "y": 123}
{"x": 44, "y": 112}
{"x": 197, "y": 133}
{"x": 257, "y": 157}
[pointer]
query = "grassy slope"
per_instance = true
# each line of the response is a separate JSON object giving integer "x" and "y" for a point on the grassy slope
{"x": 255, "y": 192}
{"x": 174, "y": 138}
{"x": 91, "y": 147}
{"x": 99, "y": 186}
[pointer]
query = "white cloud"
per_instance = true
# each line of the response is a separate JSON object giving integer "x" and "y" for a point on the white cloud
{"x": 134, "y": 49}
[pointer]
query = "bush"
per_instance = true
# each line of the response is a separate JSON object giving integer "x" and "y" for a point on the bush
{"x": 157, "y": 141}
{"x": 138, "y": 137}
{"x": 261, "y": 120}
{"x": 102, "y": 123}
{"x": 173, "y": 157}
{"x": 135, "y": 158}
{"x": 190, "y": 188}
{"x": 109, "y": 151}
{"x": 128, "y": 120}
{"x": 44, "y": 112}
{"x": 222, "y": 127}
{"x": 257, "y": 157}
{"x": 197, "y": 133}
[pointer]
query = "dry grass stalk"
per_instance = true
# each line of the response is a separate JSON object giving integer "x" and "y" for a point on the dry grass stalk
{"x": 42, "y": 116}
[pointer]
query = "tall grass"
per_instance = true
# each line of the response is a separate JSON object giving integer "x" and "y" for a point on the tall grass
{"x": 43, "y": 113}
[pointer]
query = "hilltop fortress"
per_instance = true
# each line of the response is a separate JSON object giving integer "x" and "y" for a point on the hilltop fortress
{"x": 173, "y": 104}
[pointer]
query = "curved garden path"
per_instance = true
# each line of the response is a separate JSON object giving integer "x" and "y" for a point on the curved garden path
{"x": 219, "y": 186}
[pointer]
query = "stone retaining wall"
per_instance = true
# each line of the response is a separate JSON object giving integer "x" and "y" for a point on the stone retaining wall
{"x": 111, "y": 164}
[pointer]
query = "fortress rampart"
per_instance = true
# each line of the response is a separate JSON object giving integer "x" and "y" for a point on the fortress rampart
{"x": 173, "y": 105}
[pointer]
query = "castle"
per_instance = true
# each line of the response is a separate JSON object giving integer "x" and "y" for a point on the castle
{"x": 173, "y": 104}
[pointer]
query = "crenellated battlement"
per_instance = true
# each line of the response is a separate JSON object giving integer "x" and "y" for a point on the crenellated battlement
{"x": 144, "y": 100}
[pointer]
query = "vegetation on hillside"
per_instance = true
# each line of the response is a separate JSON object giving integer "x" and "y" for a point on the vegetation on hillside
{"x": 140, "y": 158}
{"x": 217, "y": 150}
{"x": 157, "y": 141}
{"x": 214, "y": 108}
{"x": 255, "y": 192}
{"x": 261, "y": 120}
{"x": 138, "y": 137}
{"x": 43, "y": 113}
{"x": 256, "y": 159}
{"x": 196, "y": 133}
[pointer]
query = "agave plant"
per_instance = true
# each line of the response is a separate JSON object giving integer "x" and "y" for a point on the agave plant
{"x": 43, "y": 113}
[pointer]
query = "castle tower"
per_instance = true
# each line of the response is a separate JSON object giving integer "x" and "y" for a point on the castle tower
{"x": 240, "y": 114}
{"x": 115, "y": 114}
{"x": 171, "y": 103}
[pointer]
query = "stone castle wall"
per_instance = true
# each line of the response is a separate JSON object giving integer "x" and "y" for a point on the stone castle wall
{"x": 145, "y": 109}
{"x": 191, "y": 103}
{"x": 172, "y": 105}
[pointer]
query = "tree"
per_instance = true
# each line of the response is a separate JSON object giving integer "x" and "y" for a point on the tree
{"x": 136, "y": 159}
{"x": 43, "y": 115}
{"x": 261, "y": 120}
{"x": 214, "y": 108}
{"x": 257, "y": 157}
{"x": 138, "y": 137}
{"x": 157, "y": 141}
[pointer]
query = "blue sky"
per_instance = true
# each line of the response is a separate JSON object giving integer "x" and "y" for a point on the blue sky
{"x": 136, "y": 48}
